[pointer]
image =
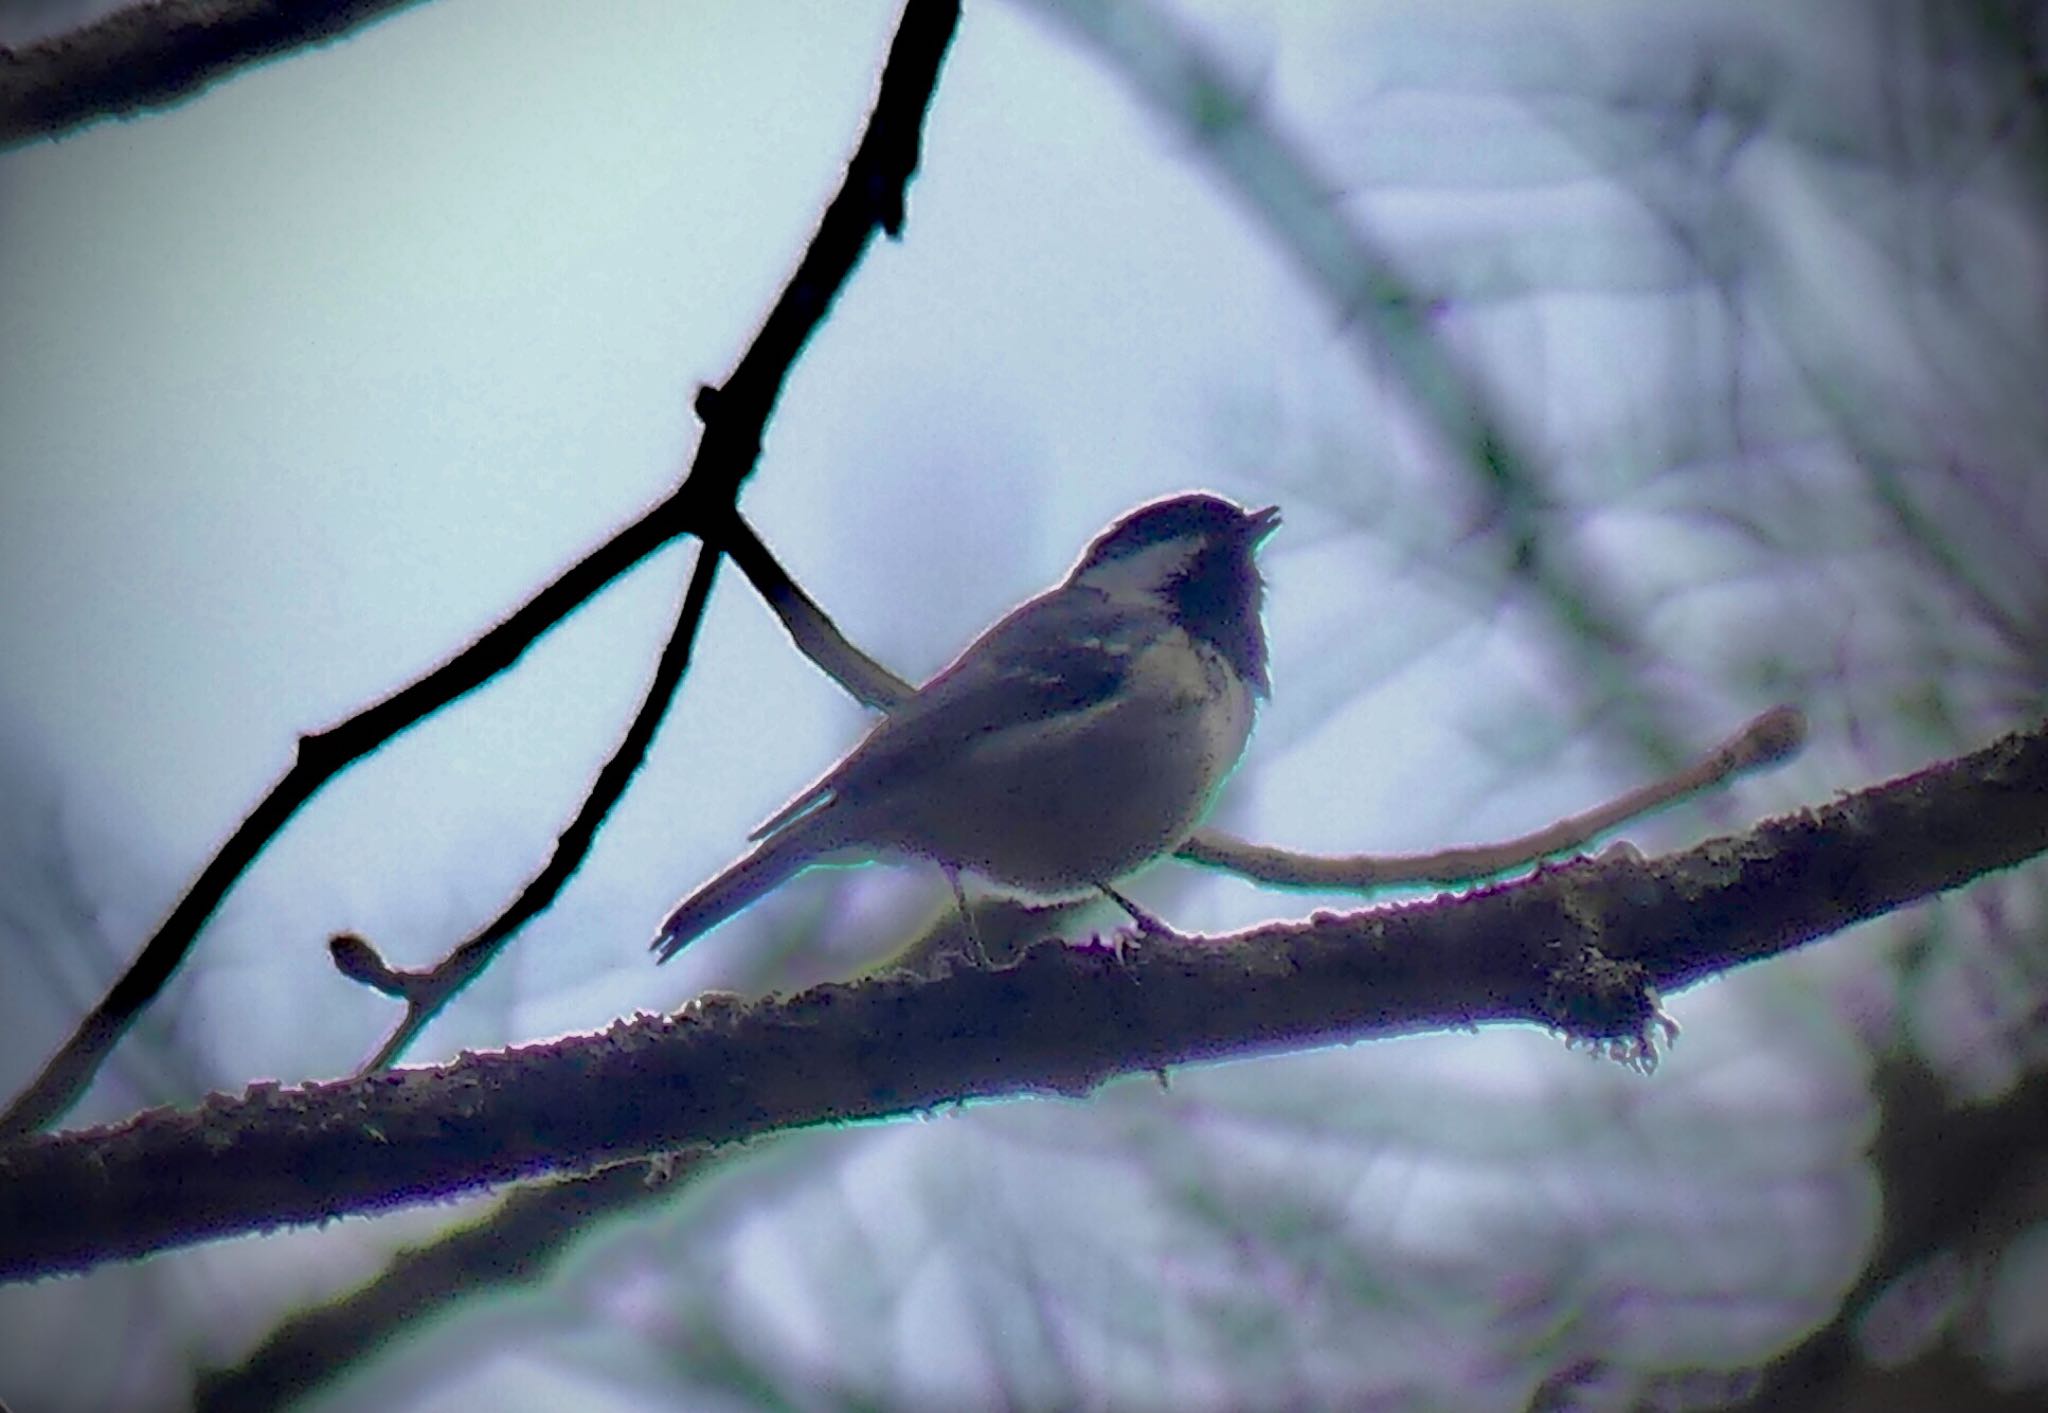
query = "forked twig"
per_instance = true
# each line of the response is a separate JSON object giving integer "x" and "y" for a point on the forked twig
{"x": 426, "y": 991}
{"x": 733, "y": 415}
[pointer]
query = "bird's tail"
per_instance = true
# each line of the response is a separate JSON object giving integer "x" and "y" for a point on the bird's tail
{"x": 772, "y": 862}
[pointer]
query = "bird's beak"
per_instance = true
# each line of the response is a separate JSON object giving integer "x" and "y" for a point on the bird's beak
{"x": 1261, "y": 523}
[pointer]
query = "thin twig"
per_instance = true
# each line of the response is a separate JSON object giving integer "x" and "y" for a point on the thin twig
{"x": 425, "y": 992}
{"x": 1770, "y": 738}
{"x": 321, "y": 756}
{"x": 813, "y": 632}
{"x": 734, "y": 416}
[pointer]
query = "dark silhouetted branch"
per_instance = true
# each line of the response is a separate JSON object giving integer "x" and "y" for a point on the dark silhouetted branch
{"x": 426, "y": 991}
{"x": 734, "y": 416}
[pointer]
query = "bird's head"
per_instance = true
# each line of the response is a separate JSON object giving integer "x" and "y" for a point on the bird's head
{"x": 1193, "y": 554}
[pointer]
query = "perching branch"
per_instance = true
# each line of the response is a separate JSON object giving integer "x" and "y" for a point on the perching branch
{"x": 733, "y": 415}
{"x": 1584, "y": 948}
{"x": 521, "y": 1238}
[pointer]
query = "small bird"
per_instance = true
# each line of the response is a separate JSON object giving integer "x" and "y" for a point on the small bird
{"x": 1079, "y": 738}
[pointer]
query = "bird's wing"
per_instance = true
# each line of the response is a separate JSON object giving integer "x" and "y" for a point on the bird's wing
{"x": 1056, "y": 655}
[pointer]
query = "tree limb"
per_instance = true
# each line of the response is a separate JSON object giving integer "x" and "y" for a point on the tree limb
{"x": 1584, "y": 948}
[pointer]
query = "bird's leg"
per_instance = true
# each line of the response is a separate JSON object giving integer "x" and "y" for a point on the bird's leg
{"x": 1147, "y": 924}
{"x": 974, "y": 947}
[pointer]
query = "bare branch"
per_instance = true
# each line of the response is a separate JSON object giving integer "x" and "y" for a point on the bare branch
{"x": 1770, "y": 738}
{"x": 733, "y": 416}
{"x": 816, "y": 636}
{"x": 152, "y": 56}
{"x": 425, "y": 992}
{"x": 321, "y": 756}
{"x": 1947, "y": 1169}
{"x": 1584, "y": 948}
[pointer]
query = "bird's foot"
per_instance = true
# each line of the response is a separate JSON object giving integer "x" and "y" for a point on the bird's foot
{"x": 1148, "y": 925}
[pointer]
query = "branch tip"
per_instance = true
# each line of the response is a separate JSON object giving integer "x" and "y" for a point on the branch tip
{"x": 1774, "y": 737}
{"x": 355, "y": 958}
